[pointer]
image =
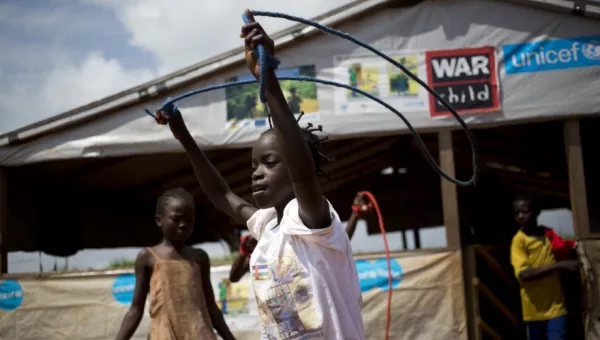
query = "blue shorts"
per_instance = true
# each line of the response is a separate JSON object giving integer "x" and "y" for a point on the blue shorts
{"x": 553, "y": 329}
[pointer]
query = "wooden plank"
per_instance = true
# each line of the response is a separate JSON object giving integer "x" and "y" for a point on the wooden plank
{"x": 417, "y": 238}
{"x": 487, "y": 329}
{"x": 493, "y": 263}
{"x": 3, "y": 220}
{"x": 577, "y": 190}
{"x": 471, "y": 295}
{"x": 449, "y": 195}
{"x": 496, "y": 302}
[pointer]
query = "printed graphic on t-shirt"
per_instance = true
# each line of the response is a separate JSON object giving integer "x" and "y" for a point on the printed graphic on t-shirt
{"x": 285, "y": 299}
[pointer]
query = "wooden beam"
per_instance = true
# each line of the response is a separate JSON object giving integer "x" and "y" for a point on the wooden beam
{"x": 469, "y": 268}
{"x": 577, "y": 190}
{"x": 3, "y": 220}
{"x": 449, "y": 195}
{"x": 417, "y": 238}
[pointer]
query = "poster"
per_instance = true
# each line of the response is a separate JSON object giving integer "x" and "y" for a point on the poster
{"x": 235, "y": 300}
{"x": 466, "y": 78}
{"x": 379, "y": 78}
{"x": 243, "y": 102}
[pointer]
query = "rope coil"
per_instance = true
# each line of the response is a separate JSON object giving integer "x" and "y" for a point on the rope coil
{"x": 267, "y": 61}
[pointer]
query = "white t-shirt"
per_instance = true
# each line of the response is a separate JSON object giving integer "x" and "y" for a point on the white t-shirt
{"x": 304, "y": 280}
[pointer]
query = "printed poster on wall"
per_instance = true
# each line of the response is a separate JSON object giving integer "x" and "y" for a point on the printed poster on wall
{"x": 244, "y": 106}
{"x": 235, "y": 300}
{"x": 466, "y": 78}
{"x": 381, "y": 79}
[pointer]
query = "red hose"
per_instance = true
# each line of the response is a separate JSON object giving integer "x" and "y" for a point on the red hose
{"x": 388, "y": 258}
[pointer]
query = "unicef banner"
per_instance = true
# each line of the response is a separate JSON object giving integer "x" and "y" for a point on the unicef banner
{"x": 427, "y": 301}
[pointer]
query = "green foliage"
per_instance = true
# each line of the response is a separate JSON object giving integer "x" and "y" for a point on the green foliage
{"x": 243, "y": 101}
{"x": 121, "y": 263}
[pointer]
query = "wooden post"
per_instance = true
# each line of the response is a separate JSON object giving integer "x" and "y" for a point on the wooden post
{"x": 3, "y": 220}
{"x": 449, "y": 196}
{"x": 417, "y": 238}
{"x": 469, "y": 266}
{"x": 577, "y": 190}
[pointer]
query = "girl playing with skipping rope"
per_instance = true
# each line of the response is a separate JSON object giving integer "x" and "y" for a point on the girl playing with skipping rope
{"x": 182, "y": 303}
{"x": 302, "y": 270}
{"x": 241, "y": 264}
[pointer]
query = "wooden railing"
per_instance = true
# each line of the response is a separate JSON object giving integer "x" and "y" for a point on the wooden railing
{"x": 479, "y": 290}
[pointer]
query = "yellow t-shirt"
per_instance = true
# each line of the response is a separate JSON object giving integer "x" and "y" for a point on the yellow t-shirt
{"x": 541, "y": 299}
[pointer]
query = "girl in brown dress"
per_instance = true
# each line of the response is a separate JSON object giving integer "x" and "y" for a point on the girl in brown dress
{"x": 182, "y": 303}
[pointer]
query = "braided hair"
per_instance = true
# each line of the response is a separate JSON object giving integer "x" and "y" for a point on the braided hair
{"x": 174, "y": 193}
{"x": 314, "y": 143}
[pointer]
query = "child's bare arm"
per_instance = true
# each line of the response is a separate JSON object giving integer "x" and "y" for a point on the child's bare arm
{"x": 211, "y": 181}
{"x": 313, "y": 208}
{"x": 239, "y": 267}
{"x": 215, "y": 313}
{"x": 532, "y": 274}
{"x": 362, "y": 207}
{"x": 351, "y": 224}
{"x": 132, "y": 319}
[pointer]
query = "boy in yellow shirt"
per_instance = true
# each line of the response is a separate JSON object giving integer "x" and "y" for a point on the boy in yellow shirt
{"x": 542, "y": 299}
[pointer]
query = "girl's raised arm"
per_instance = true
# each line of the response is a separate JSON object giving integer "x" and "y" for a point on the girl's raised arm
{"x": 211, "y": 181}
{"x": 313, "y": 208}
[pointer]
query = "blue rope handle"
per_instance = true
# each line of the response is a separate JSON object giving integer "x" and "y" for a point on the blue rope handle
{"x": 267, "y": 61}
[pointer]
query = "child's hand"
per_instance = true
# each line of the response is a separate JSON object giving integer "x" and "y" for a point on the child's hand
{"x": 175, "y": 122}
{"x": 251, "y": 243}
{"x": 247, "y": 245}
{"x": 361, "y": 201}
{"x": 254, "y": 35}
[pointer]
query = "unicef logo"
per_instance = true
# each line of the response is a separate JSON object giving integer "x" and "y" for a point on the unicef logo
{"x": 591, "y": 50}
{"x": 374, "y": 274}
{"x": 11, "y": 295}
{"x": 123, "y": 287}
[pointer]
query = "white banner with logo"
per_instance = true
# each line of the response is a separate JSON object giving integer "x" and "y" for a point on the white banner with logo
{"x": 427, "y": 301}
{"x": 500, "y": 62}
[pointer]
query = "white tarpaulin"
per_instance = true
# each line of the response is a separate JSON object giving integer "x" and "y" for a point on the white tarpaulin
{"x": 427, "y": 302}
{"x": 527, "y": 63}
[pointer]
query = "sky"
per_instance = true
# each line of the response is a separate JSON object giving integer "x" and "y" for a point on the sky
{"x": 60, "y": 54}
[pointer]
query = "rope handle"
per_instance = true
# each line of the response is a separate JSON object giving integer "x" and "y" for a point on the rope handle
{"x": 265, "y": 61}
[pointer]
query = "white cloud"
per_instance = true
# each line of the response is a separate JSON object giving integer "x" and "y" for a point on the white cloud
{"x": 51, "y": 78}
{"x": 187, "y": 31}
{"x": 94, "y": 78}
{"x": 66, "y": 87}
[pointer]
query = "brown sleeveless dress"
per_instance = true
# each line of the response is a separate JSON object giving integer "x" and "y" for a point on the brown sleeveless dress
{"x": 177, "y": 305}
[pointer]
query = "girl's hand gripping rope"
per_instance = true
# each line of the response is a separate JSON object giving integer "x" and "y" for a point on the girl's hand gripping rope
{"x": 361, "y": 206}
{"x": 260, "y": 50}
{"x": 254, "y": 36}
{"x": 174, "y": 120}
